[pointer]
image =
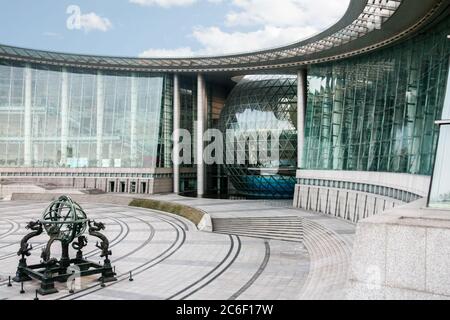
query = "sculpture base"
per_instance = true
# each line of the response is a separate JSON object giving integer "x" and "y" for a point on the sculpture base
{"x": 20, "y": 275}
{"x": 61, "y": 273}
{"x": 107, "y": 279}
{"x": 47, "y": 288}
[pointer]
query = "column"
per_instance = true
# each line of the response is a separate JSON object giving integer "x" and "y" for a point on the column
{"x": 64, "y": 116}
{"x": 176, "y": 133}
{"x": 301, "y": 113}
{"x": 100, "y": 116}
{"x": 35, "y": 146}
{"x": 201, "y": 125}
{"x": 133, "y": 120}
{"x": 27, "y": 117}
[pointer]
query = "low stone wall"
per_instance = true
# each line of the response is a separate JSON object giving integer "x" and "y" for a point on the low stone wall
{"x": 106, "y": 199}
{"x": 345, "y": 204}
{"x": 402, "y": 254}
{"x": 8, "y": 190}
{"x": 119, "y": 180}
{"x": 354, "y": 196}
{"x": 200, "y": 218}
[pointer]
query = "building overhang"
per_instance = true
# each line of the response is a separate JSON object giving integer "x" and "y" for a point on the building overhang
{"x": 367, "y": 25}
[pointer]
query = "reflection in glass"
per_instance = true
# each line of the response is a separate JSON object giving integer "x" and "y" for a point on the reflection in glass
{"x": 81, "y": 118}
{"x": 256, "y": 106}
{"x": 440, "y": 187}
{"x": 376, "y": 112}
{"x": 440, "y": 191}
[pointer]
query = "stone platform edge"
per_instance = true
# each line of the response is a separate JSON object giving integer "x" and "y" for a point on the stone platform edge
{"x": 201, "y": 219}
{"x": 403, "y": 253}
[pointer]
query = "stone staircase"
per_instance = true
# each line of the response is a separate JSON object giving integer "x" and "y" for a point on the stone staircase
{"x": 275, "y": 228}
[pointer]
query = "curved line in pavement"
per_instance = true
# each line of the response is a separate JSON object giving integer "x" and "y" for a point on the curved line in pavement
{"x": 258, "y": 273}
{"x": 41, "y": 245}
{"x": 230, "y": 250}
{"x": 146, "y": 266}
{"x": 7, "y": 231}
{"x": 14, "y": 228}
{"x": 115, "y": 241}
{"x": 239, "y": 246}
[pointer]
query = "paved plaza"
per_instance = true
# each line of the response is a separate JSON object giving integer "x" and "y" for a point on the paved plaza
{"x": 170, "y": 259}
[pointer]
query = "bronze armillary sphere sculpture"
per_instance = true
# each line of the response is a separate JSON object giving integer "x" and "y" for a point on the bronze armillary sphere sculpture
{"x": 65, "y": 221}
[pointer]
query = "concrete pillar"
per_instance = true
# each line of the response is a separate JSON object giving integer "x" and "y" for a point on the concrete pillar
{"x": 176, "y": 133}
{"x": 133, "y": 120}
{"x": 64, "y": 115}
{"x": 100, "y": 116}
{"x": 167, "y": 122}
{"x": 301, "y": 113}
{"x": 201, "y": 126}
{"x": 35, "y": 146}
{"x": 27, "y": 117}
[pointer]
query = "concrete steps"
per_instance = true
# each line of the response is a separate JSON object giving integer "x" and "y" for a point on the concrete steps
{"x": 330, "y": 257}
{"x": 276, "y": 228}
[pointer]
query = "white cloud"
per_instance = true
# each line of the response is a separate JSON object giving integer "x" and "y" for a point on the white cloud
{"x": 91, "y": 21}
{"x": 170, "y": 3}
{"x": 290, "y": 13}
{"x": 164, "y": 53}
{"x": 52, "y": 34}
{"x": 216, "y": 41}
{"x": 271, "y": 24}
{"x": 87, "y": 22}
{"x": 164, "y": 3}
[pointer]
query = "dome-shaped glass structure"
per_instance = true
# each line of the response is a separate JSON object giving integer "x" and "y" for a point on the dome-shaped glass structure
{"x": 258, "y": 110}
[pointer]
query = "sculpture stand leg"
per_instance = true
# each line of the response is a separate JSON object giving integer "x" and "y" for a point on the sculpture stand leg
{"x": 21, "y": 276}
{"x": 64, "y": 263}
{"x": 47, "y": 287}
{"x": 108, "y": 274}
{"x": 47, "y": 282}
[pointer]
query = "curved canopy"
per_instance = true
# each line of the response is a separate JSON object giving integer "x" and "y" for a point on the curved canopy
{"x": 367, "y": 25}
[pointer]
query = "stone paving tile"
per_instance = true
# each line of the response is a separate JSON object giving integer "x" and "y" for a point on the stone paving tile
{"x": 204, "y": 266}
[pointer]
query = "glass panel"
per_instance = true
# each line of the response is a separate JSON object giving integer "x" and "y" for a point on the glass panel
{"x": 440, "y": 192}
{"x": 257, "y": 105}
{"x": 440, "y": 189}
{"x": 111, "y": 120}
{"x": 376, "y": 112}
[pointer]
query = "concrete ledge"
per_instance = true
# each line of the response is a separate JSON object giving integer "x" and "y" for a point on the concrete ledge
{"x": 200, "y": 218}
{"x": 206, "y": 223}
{"x": 416, "y": 184}
{"x": 402, "y": 254}
{"x": 361, "y": 291}
{"x": 105, "y": 198}
{"x": 345, "y": 204}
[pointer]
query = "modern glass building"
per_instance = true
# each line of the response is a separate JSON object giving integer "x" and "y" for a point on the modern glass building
{"x": 355, "y": 112}
{"x": 259, "y": 110}
{"x": 71, "y": 118}
{"x": 370, "y": 131}
{"x": 440, "y": 192}
{"x": 377, "y": 112}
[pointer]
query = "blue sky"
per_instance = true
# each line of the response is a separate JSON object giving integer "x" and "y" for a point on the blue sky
{"x": 163, "y": 27}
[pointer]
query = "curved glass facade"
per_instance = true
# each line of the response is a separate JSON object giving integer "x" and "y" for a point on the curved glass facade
{"x": 75, "y": 118}
{"x": 256, "y": 106}
{"x": 440, "y": 187}
{"x": 376, "y": 112}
